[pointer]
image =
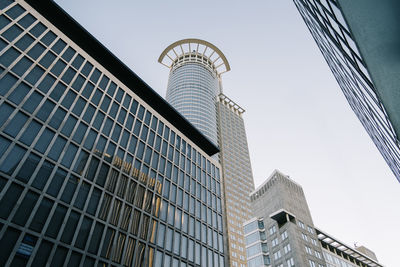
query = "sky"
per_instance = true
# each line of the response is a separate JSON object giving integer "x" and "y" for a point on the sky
{"x": 297, "y": 119}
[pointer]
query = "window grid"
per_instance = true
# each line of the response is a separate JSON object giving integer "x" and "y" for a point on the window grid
{"x": 117, "y": 165}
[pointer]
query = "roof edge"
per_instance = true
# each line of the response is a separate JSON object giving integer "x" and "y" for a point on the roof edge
{"x": 74, "y": 31}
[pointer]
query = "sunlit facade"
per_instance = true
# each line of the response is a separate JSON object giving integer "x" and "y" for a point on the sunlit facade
{"x": 96, "y": 169}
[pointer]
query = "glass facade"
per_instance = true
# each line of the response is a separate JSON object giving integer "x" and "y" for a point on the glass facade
{"x": 256, "y": 243}
{"x": 328, "y": 27}
{"x": 194, "y": 82}
{"x": 192, "y": 90}
{"x": 90, "y": 175}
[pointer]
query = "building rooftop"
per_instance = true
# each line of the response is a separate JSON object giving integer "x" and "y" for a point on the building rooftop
{"x": 229, "y": 103}
{"x": 73, "y": 30}
{"x": 195, "y": 50}
{"x": 342, "y": 247}
{"x": 267, "y": 182}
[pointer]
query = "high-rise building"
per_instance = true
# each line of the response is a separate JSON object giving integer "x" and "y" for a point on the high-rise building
{"x": 360, "y": 51}
{"x": 96, "y": 169}
{"x": 237, "y": 175}
{"x": 282, "y": 232}
{"x": 195, "y": 90}
{"x": 194, "y": 81}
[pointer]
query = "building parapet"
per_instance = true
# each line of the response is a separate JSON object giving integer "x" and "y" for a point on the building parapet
{"x": 230, "y": 104}
{"x": 333, "y": 244}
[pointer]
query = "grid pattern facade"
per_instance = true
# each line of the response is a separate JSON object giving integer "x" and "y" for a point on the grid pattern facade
{"x": 333, "y": 37}
{"x": 238, "y": 177}
{"x": 89, "y": 174}
{"x": 338, "y": 254}
{"x": 192, "y": 90}
{"x": 256, "y": 243}
{"x": 334, "y": 260}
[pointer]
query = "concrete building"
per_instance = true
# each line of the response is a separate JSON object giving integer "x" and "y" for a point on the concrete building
{"x": 289, "y": 229}
{"x": 237, "y": 175}
{"x": 195, "y": 90}
{"x": 362, "y": 54}
{"x": 282, "y": 233}
{"x": 338, "y": 254}
{"x": 366, "y": 251}
{"x": 96, "y": 169}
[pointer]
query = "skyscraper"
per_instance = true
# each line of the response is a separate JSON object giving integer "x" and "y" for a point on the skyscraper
{"x": 96, "y": 169}
{"x": 360, "y": 52}
{"x": 282, "y": 232}
{"x": 195, "y": 90}
{"x": 194, "y": 81}
{"x": 237, "y": 175}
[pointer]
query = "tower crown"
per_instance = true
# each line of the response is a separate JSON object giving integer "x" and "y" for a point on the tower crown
{"x": 195, "y": 50}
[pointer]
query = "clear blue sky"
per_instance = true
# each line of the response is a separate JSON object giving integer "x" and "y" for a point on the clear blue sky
{"x": 297, "y": 119}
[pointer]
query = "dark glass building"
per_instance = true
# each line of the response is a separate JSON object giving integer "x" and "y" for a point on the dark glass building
{"x": 96, "y": 169}
{"x": 360, "y": 42}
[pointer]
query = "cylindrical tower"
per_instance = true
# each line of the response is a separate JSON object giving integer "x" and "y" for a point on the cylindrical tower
{"x": 195, "y": 81}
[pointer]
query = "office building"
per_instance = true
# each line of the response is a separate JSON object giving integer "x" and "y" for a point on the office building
{"x": 195, "y": 90}
{"x": 282, "y": 233}
{"x": 361, "y": 53}
{"x": 194, "y": 81}
{"x": 96, "y": 169}
{"x": 289, "y": 228}
{"x": 338, "y": 254}
{"x": 237, "y": 175}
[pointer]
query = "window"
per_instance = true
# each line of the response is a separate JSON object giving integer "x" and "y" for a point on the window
{"x": 284, "y": 235}
{"x": 328, "y": 257}
{"x": 310, "y": 230}
{"x": 56, "y": 220}
{"x": 252, "y": 238}
{"x": 318, "y": 255}
{"x": 301, "y": 225}
{"x": 312, "y": 264}
{"x": 314, "y": 242}
{"x": 277, "y": 255}
{"x": 275, "y": 242}
{"x": 308, "y": 250}
{"x": 272, "y": 230}
{"x": 304, "y": 236}
{"x": 253, "y": 250}
{"x": 25, "y": 208}
{"x": 287, "y": 248}
{"x": 290, "y": 262}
